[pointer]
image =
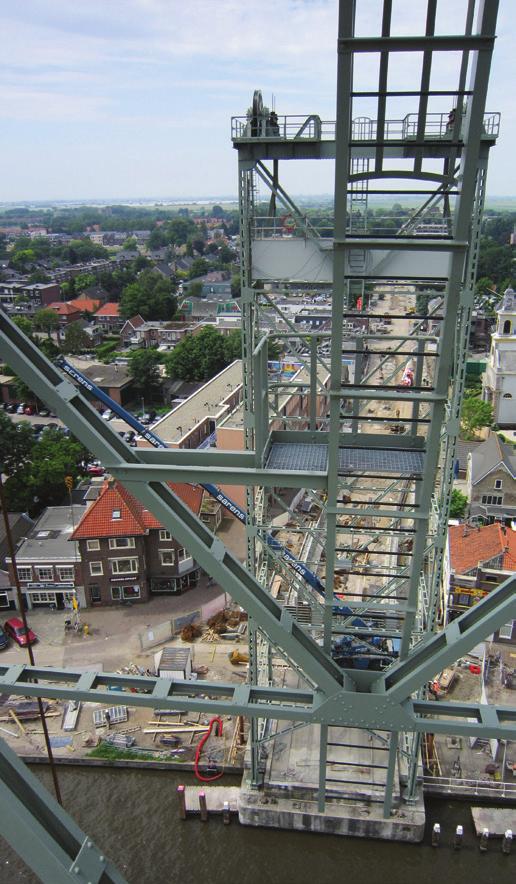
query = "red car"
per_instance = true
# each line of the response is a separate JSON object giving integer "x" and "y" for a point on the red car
{"x": 95, "y": 469}
{"x": 15, "y": 628}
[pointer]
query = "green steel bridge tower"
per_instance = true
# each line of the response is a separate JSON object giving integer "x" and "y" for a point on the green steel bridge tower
{"x": 401, "y": 296}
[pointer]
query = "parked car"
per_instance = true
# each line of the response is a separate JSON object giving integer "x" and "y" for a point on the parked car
{"x": 44, "y": 412}
{"x": 29, "y": 409}
{"x": 95, "y": 469}
{"x": 4, "y": 640}
{"x": 21, "y": 408}
{"x": 52, "y": 426}
{"x": 12, "y": 407}
{"x": 16, "y": 630}
{"x": 129, "y": 436}
{"x": 38, "y": 429}
{"x": 107, "y": 415}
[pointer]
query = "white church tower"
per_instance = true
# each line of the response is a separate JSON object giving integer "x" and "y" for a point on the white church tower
{"x": 500, "y": 376}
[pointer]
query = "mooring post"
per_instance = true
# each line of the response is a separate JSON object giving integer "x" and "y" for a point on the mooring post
{"x": 507, "y": 841}
{"x": 181, "y": 797}
{"x": 203, "y": 806}
{"x": 226, "y": 815}
{"x": 436, "y": 835}
{"x": 459, "y": 837}
{"x": 484, "y": 838}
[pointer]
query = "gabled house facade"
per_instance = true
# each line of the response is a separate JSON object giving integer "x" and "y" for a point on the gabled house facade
{"x": 126, "y": 554}
{"x": 491, "y": 480}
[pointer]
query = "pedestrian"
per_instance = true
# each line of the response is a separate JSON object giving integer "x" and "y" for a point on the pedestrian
{"x": 107, "y": 719}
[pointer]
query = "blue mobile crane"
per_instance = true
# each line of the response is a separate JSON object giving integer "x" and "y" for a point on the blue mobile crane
{"x": 365, "y": 654}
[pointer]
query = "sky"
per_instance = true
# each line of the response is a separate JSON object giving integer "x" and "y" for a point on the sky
{"x": 120, "y": 99}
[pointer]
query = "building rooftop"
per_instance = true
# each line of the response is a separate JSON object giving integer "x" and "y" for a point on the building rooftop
{"x": 236, "y": 419}
{"x": 103, "y": 375}
{"x": 110, "y": 309}
{"x": 489, "y": 456}
{"x": 48, "y": 540}
{"x": 209, "y": 401}
{"x": 471, "y": 547}
{"x": 116, "y": 513}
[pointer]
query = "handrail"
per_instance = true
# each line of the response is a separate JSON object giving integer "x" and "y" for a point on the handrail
{"x": 296, "y": 127}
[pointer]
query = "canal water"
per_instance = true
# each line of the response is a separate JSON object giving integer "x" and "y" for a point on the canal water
{"x": 133, "y": 816}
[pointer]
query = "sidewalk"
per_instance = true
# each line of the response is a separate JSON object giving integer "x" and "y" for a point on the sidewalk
{"x": 113, "y": 641}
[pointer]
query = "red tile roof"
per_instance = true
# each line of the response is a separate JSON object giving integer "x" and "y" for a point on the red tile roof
{"x": 110, "y": 309}
{"x": 85, "y": 305}
{"x": 471, "y": 547}
{"x": 134, "y": 519}
{"x": 62, "y": 308}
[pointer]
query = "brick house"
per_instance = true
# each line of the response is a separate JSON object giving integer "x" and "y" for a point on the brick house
{"x": 108, "y": 317}
{"x": 126, "y": 553}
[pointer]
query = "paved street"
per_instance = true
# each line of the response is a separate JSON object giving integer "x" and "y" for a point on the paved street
{"x": 114, "y": 632}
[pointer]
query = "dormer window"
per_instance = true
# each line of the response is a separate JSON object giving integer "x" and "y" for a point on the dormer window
{"x": 116, "y": 514}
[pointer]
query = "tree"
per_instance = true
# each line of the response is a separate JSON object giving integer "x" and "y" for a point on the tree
{"x": 24, "y": 324}
{"x": 199, "y": 357}
{"x": 36, "y": 470}
{"x": 17, "y": 444}
{"x": 151, "y": 295}
{"x": 46, "y": 320}
{"x": 475, "y": 414}
{"x": 459, "y": 503}
{"x": 233, "y": 345}
{"x": 195, "y": 289}
{"x": 235, "y": 285}
{"x": 50, "y": 349}
{"x": 199, "y": 267}
{"x": 143, "y": 367}
{"x": 83, "y": 281}
{"x": 130, "y": 244}
{"x": 217, "y": 212}
{"x": 75, "y": 338}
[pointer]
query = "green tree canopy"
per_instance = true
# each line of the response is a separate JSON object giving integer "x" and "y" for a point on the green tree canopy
{"x": 143, "y": 367}
{"x": 200, "y": 357}
{"x": 75, "y": 339}
{"x": 17, "y": 442}
{"x": 475, "y": 414}
{"x": 151, "y": 295}
{"x": 83, "y": 281}
{"x": 36, "y": 470}
{"x": 130, "y": 244}
{"x": 46, "y": 320}
{"x": 458, "y": 505}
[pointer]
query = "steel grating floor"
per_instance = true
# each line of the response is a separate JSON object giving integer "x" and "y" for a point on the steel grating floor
{"x": 314, "y": 458}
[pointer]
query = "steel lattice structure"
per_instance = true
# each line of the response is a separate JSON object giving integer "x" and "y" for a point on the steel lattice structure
{"x": 392, "y": 487}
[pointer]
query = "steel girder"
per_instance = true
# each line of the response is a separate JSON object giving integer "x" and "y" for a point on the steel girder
{"x": 43, "y": 834}
{"x": 344, "y": 697}
{"x": 375, "y": 700}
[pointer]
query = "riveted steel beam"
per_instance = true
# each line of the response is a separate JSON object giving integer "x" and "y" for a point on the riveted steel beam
{"x": 43, "y": 834}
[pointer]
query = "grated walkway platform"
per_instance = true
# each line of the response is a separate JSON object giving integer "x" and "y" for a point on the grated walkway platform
{"x": 314, "y": 458}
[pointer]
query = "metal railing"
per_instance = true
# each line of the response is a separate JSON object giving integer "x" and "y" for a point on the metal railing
{"x": 312, "y": 128}
{"x": 480, "y": 788}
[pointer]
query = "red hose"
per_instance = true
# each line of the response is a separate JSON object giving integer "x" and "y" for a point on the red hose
{"x": 214, "y": 721}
